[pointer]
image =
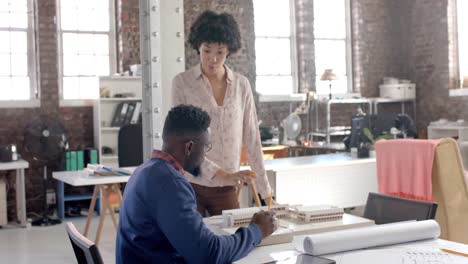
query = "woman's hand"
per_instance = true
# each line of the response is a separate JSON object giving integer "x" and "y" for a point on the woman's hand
{"x": 238, "y": 178}
{"x": 267, "y": 201}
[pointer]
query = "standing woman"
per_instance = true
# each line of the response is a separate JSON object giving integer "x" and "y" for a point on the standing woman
{"x": 227, "y": 97}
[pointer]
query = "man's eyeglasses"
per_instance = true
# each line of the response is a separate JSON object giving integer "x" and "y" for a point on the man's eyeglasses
{"x": 207, "y": 147}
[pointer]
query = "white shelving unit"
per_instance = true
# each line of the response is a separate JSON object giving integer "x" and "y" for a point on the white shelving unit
{"x": 104, "y": 109}
{"x": 452, "y": 130}
{"x": 329, "y": 131}
{"x": 441, "y": 131}
{"x": 402, "y": 101}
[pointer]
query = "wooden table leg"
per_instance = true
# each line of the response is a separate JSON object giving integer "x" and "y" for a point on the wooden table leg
{"x": 111, "y": 210}
{"x": 91, "y": 209}
{"x": 119, "y": 193}
{"x": 105, "y": 196}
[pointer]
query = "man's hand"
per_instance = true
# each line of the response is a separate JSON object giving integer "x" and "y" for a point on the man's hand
{"x": 266, "y": 221}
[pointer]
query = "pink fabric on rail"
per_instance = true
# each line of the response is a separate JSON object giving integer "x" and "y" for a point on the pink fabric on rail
{"x": 404, "y": 167}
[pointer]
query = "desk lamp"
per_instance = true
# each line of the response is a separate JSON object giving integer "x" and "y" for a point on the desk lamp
{"x": 328, "y": 75}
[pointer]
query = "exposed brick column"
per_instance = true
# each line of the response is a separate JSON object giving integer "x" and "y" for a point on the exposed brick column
{"x": 127, "y": 33}
{"x": 378, "y": 43}
{"x": 432, "y": 62}
{"x": 304, "y": 12}
{"x": 46, "y": 39}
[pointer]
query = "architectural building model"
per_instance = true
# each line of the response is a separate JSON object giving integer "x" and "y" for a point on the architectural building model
{"x": 298, "y": 213}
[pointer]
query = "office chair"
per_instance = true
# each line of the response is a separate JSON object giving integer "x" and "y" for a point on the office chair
{"x": 130, "y": 145}
{"x": 384, "y": 209}
{"x": 450, "y": 191}
{"x": 447, "y": 182}
{"x": 86, "y": 252}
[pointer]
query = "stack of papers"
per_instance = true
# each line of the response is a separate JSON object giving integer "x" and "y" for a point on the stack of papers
{"x": 101, "y": 170}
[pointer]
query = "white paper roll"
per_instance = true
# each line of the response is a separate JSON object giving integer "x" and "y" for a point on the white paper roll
{"x": 365, "y": 237}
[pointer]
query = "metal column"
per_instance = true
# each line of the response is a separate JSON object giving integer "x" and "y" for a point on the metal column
{"x": 162, "y": 57}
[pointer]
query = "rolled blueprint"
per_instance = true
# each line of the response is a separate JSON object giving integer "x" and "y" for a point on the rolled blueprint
{"x": 365, "y": 237}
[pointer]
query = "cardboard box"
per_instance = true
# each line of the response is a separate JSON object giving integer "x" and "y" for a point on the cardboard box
{"x": 398, "y": 91}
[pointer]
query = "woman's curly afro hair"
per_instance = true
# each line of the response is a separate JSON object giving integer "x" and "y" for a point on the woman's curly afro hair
{"x": 211, "y": 27}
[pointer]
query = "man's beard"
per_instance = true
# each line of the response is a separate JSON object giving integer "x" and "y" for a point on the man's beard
{"x": 195, "y": 172}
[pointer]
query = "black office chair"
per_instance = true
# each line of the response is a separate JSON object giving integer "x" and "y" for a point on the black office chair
{"x": 130, "y": 145}
{"x": 384, "y": 209}
{"x": 86, "y": 252}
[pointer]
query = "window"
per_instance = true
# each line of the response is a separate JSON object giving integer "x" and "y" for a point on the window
{"x": 462, "y": 22}
{"x": 274, "y": 47}
{"x": 17, "y": 61}
{"x": 332, "y": 45}
{"x": 87, "y": 50}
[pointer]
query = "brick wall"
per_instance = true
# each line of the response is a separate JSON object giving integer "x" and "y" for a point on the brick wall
{"x": 431, "y": 62}
{"x": 304, "y": 12}
{"x": 377, "y": 43}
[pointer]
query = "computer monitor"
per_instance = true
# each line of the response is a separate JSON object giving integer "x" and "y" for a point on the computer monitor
{"x": 378, "y": 124}
{"x": 382, "y": 123}
{"x": 358, "y": 123}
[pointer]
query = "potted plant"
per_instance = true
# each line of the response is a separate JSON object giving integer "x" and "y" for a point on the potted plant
{"x": 372, "y": 140}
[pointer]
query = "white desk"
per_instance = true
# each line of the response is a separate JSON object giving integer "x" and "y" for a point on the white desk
{"x": 101, "y": 183}
{"x": 19, "y": 166}
{"x": 336, "y": 179}
{"x": 382, "y": 255}
{"x": 347, "y": 222}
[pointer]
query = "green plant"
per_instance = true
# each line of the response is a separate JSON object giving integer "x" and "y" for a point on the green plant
{"x": 369, "y": 135}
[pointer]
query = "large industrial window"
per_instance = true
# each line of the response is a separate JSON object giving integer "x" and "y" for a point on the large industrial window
{"x": 462, "y": 22}
{"x": 332, "y": 45}
{"x": 274, "y": 47}
{"x": 17, "y": 55}
{"x": 87, "y": 46}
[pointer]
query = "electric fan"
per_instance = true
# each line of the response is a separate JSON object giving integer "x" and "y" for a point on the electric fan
{"x": 45, "y": 141}
{"x": 292, "y": 126}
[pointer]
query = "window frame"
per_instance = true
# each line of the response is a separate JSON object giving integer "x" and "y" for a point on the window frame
{"x": 461, "y": 71}
{"x": 292, "y": 53}
{"x": 112, "y": 54}
{"x": 349, "y": 53}
{"x": 32, "y": 58}
{"x": 459, "y": 90}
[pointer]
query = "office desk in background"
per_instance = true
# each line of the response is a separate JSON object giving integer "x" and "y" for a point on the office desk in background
{"x": 335, "y": 179}
{"x": 19, "y": 166}
{"x": 101, "y": 184}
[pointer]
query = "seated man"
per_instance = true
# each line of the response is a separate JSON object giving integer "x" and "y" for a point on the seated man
{"x": 159, "y": 221}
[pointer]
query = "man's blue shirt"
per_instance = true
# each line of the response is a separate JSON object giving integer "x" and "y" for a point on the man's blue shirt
{"x": 159, "y": 222}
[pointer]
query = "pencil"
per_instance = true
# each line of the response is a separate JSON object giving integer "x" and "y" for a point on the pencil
{"x": 255, "y": 193}
{"x": 271, "y": 199}
{"x": 454, "y": 252}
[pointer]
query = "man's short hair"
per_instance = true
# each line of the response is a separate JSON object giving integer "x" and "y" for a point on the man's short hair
{"x": 186, "y": 121}
{"x": 211, "y": 27}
